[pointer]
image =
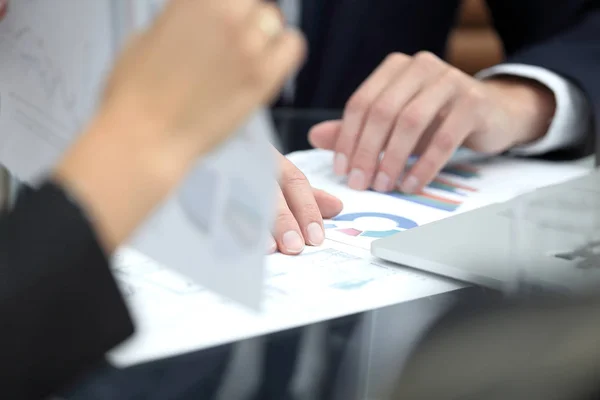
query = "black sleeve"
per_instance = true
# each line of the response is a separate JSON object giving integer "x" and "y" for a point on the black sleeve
{"x": 562, "y": 36}
{"x": 60, "y": 307}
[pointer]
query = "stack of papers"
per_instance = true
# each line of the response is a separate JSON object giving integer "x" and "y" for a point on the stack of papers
{"x": 175, "y": 316}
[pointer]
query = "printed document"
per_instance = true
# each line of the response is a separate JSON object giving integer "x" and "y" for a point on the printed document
{"x": 339, "y": 278}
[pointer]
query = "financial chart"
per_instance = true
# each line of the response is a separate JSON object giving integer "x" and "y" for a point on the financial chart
{"x": 370, "y": 215}
{"x": 447, "y": 191}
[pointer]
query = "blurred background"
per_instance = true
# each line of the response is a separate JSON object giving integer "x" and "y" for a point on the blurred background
{"x": 474, "y": 45}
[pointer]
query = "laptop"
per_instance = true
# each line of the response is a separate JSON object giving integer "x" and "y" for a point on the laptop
{"x": 546, "y": 239}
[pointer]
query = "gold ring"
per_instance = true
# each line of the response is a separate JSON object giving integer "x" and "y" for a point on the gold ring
{"x": 270, "y": 23}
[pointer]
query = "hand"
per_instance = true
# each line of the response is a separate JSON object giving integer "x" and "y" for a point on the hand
{"x": 421, "y": 105}
{"x": 301, "y": 211}
{"x": 179, "y": 77}
{"x": 179, "y": 89}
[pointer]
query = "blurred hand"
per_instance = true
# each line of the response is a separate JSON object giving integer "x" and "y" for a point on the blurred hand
{"x": 201, "y": 68}
{"x": 421, "y": 105}
{"x": 301, "y": 211}
{"x": 178, "y": 90}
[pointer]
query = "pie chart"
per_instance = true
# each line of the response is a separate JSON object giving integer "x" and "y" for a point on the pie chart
{"x": 370, "y": 224}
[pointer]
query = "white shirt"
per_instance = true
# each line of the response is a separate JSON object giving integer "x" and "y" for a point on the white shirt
{"x": 571, "y": 117}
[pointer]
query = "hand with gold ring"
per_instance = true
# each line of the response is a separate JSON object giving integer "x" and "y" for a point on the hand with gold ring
{"x": 178, "y": 90}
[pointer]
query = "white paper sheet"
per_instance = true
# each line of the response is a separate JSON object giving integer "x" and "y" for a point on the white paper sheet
{"x": 52, "y": 61}
{"x": 216, "y": 227}
{"x": 336, "y": 279}
{"x": 174, "y": 316}
{"x": 370, "y": 215}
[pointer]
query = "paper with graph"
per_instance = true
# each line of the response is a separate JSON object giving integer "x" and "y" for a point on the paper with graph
{"x": 175, "y": 316}
{"x": 460, "y": 187}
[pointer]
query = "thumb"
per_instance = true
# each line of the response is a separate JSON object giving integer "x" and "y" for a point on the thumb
{"x": 325, "y": 135}
{"x": 329, "y": 205}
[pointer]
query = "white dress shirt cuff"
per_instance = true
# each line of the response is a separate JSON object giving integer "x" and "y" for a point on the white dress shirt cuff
{"x": 572, "y": 114}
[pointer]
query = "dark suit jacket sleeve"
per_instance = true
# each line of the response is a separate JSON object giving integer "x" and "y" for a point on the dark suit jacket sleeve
{"x": 560, "y": 35}
{"x": 60, "y": 308}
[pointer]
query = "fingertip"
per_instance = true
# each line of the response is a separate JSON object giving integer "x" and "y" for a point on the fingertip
{"x": 272, "y": 245}
{"x": 382, "y": 182}
{"x": 339, "y": 205}
{"x": 322, "y": 193}
{"x": 340, "y": 164}
{"x": 324, "y": 135}
{"x": 287, "y": 252}
{"x": 320, "y": 126}
{"x": 336, "y": 201}
{"x": 333, "y": 209}
{"x": 315, "y": 234}
{"x": 329, "y": 205}
{"x": 315, "y": 136}
{"x": 291, "y": 243}
{"x": 410, "y": 185}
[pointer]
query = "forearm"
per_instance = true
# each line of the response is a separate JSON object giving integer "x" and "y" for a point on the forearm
{"x": 118, "y": 177}
{"x": 532, "y": 105}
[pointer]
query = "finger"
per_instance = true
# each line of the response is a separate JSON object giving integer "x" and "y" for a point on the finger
{"x": 287, "y": 233}
{"x": 411, "y": 128}
{"x": 383, "y": 113}
{"x": 358, "y": 106}
{"x": 234, "y": 12}
{"x": 426, "y": 137}
{"x": 237, "y": 9}
{"x": 271, "y": 245}
{"x": 300, "y": 198}
{"x": 329, "y": 205}
{"x": 325, "y": 135}
{"x": 265, "y": 23}
{"x": 448, "y": 137}
{"x": 283, "y": 57}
